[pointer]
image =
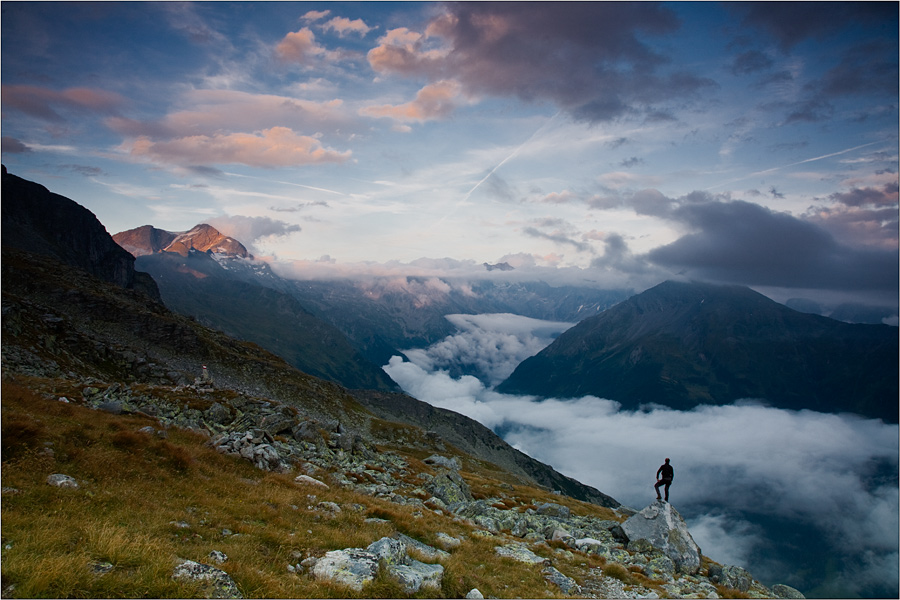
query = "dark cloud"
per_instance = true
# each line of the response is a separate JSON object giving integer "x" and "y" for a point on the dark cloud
{"x": 619, "y": 257}
{"x": 750, "y": 62}
{"x": 792, "y": 22}
{"x": 870, "y": 67}
{"x": 631, "y": 162}
{"x": 588, "y": 58}
{"x": 85, "y": 170}
{"x": 885, "y": 196}
{"x": 741, "y": 242}
{"x": 12, "y": 146}
{"x": 558, "y": 238}
{"x": 810, "y": 111}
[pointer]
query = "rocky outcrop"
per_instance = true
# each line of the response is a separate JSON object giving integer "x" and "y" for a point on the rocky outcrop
{"x": 662, "y": 526}
{"x": 38, "y": 221}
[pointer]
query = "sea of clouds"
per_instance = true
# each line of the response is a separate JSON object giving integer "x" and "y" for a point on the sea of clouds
{"x": 778, "y": 492}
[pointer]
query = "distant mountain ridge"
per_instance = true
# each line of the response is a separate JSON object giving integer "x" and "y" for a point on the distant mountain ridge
{"x": 685, "y": 344}
{"x": 147, "y": 239}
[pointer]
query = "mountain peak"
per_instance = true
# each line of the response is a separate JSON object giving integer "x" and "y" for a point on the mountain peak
{"x": 203, "y": 237}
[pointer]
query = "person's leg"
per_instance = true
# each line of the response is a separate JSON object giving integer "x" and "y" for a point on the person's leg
{"x": 668, "y": 483}
{"x": 656, "y": 487}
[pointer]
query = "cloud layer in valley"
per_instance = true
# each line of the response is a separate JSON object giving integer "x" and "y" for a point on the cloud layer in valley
{"x": 742, "y": 471}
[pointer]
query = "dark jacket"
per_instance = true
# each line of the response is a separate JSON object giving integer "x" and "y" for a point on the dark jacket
{"x": 667, "y": 472}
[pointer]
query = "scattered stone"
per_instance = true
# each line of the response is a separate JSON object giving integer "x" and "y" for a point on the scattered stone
{"x": 474, "y": 594}
{"x": 218, "y": 557}
{"x": 219, "y": 584}
{"x": 62, "y": 481}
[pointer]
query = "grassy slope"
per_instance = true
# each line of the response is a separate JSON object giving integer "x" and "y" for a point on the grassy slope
{"x": 136, "y": 487}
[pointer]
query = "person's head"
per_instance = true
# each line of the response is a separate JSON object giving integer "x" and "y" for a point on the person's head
{"x": 667, "y": 461}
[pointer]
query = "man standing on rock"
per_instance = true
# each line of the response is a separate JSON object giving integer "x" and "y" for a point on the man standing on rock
{"x": 668, "y": 473}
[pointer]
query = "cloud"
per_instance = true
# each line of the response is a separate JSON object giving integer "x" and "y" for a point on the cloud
{"x": 491, "y": 344}
{"x": 745, "y": 474}
{"x": 434, "y": 101}
{"x": 270, "y": 148}
{"x": 557, "y": 237}
{"x": 250, "y": 229}
{"x": 343, "y": 25}
{"x": 46, "y": 104}
{"x": 212, "y": 112}
{"x": 587, "y": 58}
{"x": 741, "y": 242}
{"x": 792, "y": 22}
{"x": 299, "y": 46}
{"x": 11, "y": 145}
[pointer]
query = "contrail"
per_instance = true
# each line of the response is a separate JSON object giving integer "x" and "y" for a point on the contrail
{"x": 308, "y": 187}
{"x": 808, "y": 160}
{"x": 512, "y": 154}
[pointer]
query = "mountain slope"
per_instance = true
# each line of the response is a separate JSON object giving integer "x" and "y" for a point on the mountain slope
{"x": 39, "y": 221}
{"x": 223, "y": 293}
{"x": 150, "y": 240}
{"x": 684, "y": 344}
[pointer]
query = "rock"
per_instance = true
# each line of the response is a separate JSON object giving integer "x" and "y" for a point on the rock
{"x": 736, "y": 578}
{"x": 453, "y": 464}
{"x": 390, "y": 550}
{"x": 519, "y": 553}
{"x": 474, "y": 594}
{"x": 785, "y": 591}
{"x": 447, "y": 542}
{"x": 62, "y": 481}
{"x": 353, "y": 567}
{"x": 218, "y": 557}
{"x": 307, "y": 480}
{"x": 417, "y": 575}
{"x": 219, "y": 583}
{"x": 450, "y": 487}
{"x": 427, "y": 552}
{"x": 217, "y": 414}
{"x": 566, "y": 584}
{"x": 553, "y": 510}
{"x": 662, "y": 526}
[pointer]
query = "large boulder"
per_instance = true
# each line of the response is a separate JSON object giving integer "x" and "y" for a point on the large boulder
{"x": 662, "y": 526}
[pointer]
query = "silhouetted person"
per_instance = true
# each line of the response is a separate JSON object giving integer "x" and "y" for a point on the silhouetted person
{"x": 668, "y": 474}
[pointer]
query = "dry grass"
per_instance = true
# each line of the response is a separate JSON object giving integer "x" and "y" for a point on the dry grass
{"x": 146, "y": 502}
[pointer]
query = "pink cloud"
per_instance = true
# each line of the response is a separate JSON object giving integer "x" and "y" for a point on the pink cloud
{"x": 343, "y": 25}
{"x": 299, "y": 46}
{"x": 43, "y": 103}
{"x": 274, "y": 147}
{"x": 435, "y": 101}
{"x": 214, "y": 111}
{"x": 403, "y": 51}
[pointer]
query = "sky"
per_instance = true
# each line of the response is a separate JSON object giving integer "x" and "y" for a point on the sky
{"x": 619, "y": 144}
{"x": 784, "y": 494}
